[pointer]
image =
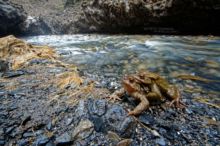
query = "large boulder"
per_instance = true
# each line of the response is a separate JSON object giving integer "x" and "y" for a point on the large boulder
{"x": 12, "y": 18}
{"x": 157, "y": 16}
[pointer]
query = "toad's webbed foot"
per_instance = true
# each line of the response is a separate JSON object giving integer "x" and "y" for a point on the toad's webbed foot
{"x": 177, "y": 103}
{"x": 116, "y": 95}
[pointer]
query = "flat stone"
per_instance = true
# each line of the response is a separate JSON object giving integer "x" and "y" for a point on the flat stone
{"x": 41, "y": 141}
{"x": 63, "y": 139}
{"x": 84, "y": 129}
{"x": 161, "y": 141}
{"x": 12, "y": 74}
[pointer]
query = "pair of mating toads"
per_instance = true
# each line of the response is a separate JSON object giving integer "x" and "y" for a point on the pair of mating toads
{"x": 147, "y": 87}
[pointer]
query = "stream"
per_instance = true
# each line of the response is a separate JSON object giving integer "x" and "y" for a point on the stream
{"x": 117, "y": 55}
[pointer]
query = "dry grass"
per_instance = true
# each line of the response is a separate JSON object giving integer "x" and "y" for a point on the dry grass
{"x": 18, "y": 52}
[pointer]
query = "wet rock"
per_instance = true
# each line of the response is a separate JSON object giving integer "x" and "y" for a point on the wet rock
{"x": 41, "y": 141}
{"x": 23, "y": 142}
{"x": 63, "y": 139}
{"x": 125, "y": 142}
{"x": 9, "y": 129}
{"x": 49, "y": 126}
{"x": 12, "y": 18}
{"x": 113, "y": 136}
{"x": 4, "y": 66}
{"x": 25, "y": 120}
{"x": 161, "y": 141}
{"x": 28, "y": 134}
{"x": 12, "y": 74}
{"x": 2, "y": 142}
{"x": 97, "y": 107}
{"x": 116, "y": 119}
{"x": 36, "y": 26}
{"x": 84, "y": 129}
{"x": 146, "y": 119}
{"x": 81, "y": 110}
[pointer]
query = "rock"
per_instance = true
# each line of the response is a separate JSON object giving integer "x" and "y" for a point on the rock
{"x": 28, "y": 134}
{"x": 41, "y": 141}
{"x": 97, "y": 107}
{"x": 146, "y": 119}
{"x": 23, "y": 142}
{"x": 12, "y": 18}
{"x": 84, "y": 129}
{"x": 12, "y": 74}
{"x": 116, "y": 120}
{"x": 125, "y": 142}
{"x": 2, "y": 142}
{"x": 36, "y": 26}
{"x": 4, "y": 66}
{"x": 63, "y": 139}
{"x": 163, "y": 16}
{"x": 49, "y": 126}
{"x": 161, "y": 141}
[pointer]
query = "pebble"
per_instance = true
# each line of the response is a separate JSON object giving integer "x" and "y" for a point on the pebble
{"x": 42, "y": 140}
{"x": 63, "y": 139}
{"x": 84, "y": 129}
{"x": 12, "y": 74}
{"x": 161, "y": 141}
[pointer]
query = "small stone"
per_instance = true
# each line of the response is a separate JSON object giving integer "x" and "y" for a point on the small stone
{"x": 4, "y": 66}
{"x": 9, "y": 130}
{"x": 12, "y": 74}
{"x": 2, "y": 142}
{"x": 125, "y": 142}
{"x": 161, "y": 141}
{"x": 25, "y": 120}
{"x": 97, "y": 107}
{"x": 63, "y": 139}
{"x": 42, "y": 141}
{"x": 23, "y": 142}
{"x": 28, "y": 134}
{"x": 83, "y": 130}
{"x": 49, "y": 126}
{"x": 69, "y": 121}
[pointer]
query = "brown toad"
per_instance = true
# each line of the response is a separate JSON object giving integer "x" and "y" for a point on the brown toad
{"x": 146, "y": 87}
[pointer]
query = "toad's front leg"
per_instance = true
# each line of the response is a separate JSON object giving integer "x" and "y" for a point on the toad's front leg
{"x": 142, "y": 106}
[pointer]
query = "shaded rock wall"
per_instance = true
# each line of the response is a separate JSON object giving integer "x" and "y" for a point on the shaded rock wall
{"x": 12, "y": 18}
{"x": 157, "y": 16}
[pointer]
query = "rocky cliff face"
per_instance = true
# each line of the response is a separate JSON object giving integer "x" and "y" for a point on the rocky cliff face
{"x": 110, "y": 16}
{"x": 157, "y": 16}
{"x": 12, "y": 18}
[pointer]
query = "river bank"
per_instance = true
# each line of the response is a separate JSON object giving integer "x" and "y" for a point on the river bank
{"x": 47, "y": 102}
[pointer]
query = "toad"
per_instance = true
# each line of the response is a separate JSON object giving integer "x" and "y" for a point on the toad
{"x": 147, "y": 87}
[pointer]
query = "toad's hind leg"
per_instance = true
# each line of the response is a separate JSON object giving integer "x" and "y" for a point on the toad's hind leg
{"x": 142, "y": 106}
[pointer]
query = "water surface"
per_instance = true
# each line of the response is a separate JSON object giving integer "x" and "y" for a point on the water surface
{"x": 112, "y": 55}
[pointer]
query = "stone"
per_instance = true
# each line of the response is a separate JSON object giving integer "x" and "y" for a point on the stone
{"x": 41, "y": 141}
{"x": 63, "y": 139}
{"x": 12, "y": 74}
{"x": 97, "y": 107}
{"x": 84, "y": 129}
{"x": 151, "y": 16}
{"x": 4, "y": 66}
{"x": 161, "y": 141}
{"x": 12, "y": 18}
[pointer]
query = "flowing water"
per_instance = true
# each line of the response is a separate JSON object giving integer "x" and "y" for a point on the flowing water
{"x": 112, "y": 55}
